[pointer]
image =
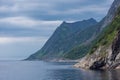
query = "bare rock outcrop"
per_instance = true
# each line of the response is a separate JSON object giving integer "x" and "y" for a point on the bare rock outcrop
{"x": 109, "y": 61}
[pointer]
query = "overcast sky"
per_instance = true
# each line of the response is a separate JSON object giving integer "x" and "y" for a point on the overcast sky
{"x": 25, "y": 25}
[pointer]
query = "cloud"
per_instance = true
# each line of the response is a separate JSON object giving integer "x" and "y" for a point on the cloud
{"x": 17, "y": 48}
{"x": 11, "y": 40}
{"x": 25, "y": 25}
{"x": 27, "y": 22}
{"x": 82, "y": 10}
{"x": 53, "y": 9}
{"x": 108, "y": 2}
{"x": 8, "y": 8}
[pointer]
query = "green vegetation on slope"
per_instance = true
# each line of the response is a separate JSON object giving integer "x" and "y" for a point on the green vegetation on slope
{"x": 65, "y": 38}
{"x": 78, "y": 52}
{"x": 81, "y": 50}
{"x": 108, "y": 34}
{"x": 87, "y": 35}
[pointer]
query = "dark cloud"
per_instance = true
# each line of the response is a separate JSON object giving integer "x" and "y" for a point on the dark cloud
{"x": 25, "y": 25}
{"x": 52, "y": 9}
{"x": 22, "y": 26}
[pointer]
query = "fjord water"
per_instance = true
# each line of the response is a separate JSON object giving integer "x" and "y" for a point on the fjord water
{"x": 39, "y": 70}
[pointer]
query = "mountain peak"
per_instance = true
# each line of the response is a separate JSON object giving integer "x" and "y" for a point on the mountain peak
{"x": 105, "y": 51}
{"x": 92, "y": 19}
{"x": 64, "y": 22}
{"x": 89, "y": 20}
{"x": 65, "y": 37}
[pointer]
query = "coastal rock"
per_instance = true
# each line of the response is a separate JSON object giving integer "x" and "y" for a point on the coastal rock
{"x": 98, "y": 64}
{"x": 105, "y": 53}
{"x": 96, "y": 61}
{"x": 115, "y": 47}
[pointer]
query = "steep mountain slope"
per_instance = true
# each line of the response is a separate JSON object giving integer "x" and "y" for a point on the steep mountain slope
{"x": 66, "y": 36}
{"x": 86, "y": 36}
{"x": 104, "y": 54}
{"x": 74, "y": 41}
{"x": 111, "y": 13}
{"x": 81, "y": 50}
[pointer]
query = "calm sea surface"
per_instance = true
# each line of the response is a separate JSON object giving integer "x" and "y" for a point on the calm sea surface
{"x": 38, "y": 70}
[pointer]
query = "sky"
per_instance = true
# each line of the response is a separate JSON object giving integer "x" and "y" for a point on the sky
{"x": 25, "y": 25}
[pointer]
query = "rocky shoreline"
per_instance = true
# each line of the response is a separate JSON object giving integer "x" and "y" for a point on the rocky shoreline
{"x": 110, "y": 61}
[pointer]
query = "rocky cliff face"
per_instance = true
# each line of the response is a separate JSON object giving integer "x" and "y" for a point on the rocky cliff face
{"x": 74, "y": 53}
{"x": 74, "y": 40}
{"x": 105, "y": 53}
{"x": 113, "y": 60}
{"x": 111, "y": 13}
{"x": 109, "y": 59}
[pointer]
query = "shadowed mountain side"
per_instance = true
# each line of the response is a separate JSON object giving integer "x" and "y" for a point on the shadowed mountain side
{"x": 65, "y": 38}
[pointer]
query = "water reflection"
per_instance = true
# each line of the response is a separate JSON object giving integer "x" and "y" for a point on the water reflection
{"x": 23, "y": 70}
{"x": 79, "y": 74}
{"x": 114, "y": 75}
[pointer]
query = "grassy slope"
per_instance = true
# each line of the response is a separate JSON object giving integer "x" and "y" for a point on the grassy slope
{"x": 78, "y": 52}
{"x": 108, "y": 34}
{"x": 64, "y": 40}
{"x": 82, "y": 49}
{"x": 104, "y": 39}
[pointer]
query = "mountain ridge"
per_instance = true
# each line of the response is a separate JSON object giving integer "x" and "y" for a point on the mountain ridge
{"x": 104, "y": 54}
{"x": 76, "y": 41}
{"x": 64, "y": 31}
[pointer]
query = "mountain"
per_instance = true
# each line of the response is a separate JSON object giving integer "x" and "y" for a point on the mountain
{"x": 81, "y": 50}
{"x": 111, "y": 13}
{"x": 85, "y": 37}
{"x": 65, "y": 37}
{"x": 105, "y": 50}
